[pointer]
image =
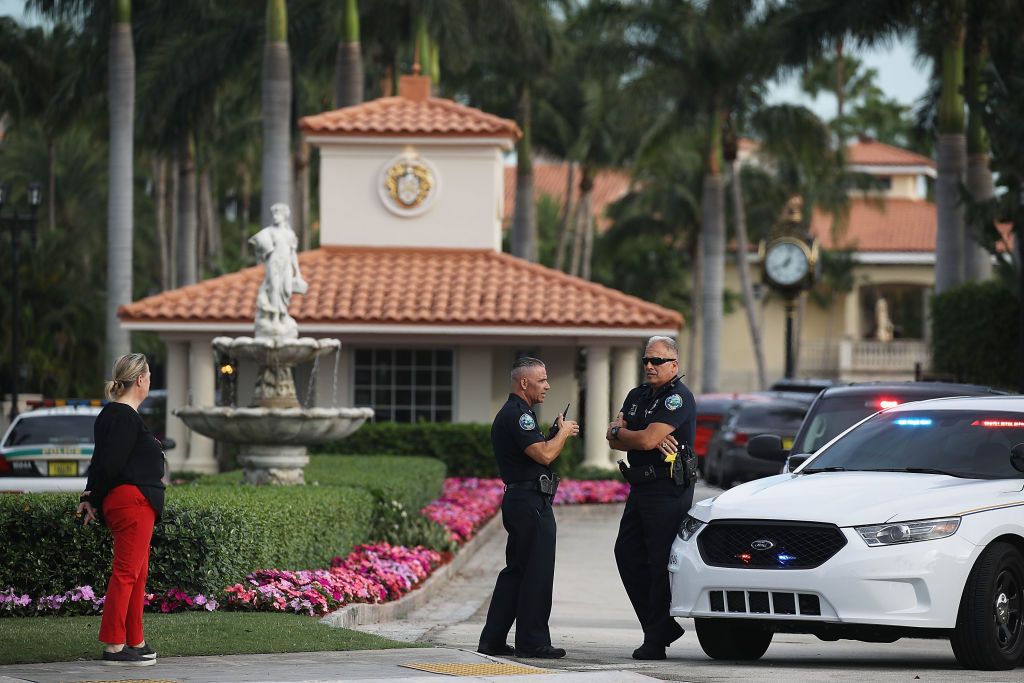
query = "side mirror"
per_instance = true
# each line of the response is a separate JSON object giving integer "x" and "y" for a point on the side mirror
{"x": 167, "y": 443}
{"x": 794, "y": 461}
{"x": 767, "y": 447}
{"x": 1017, "y": 457}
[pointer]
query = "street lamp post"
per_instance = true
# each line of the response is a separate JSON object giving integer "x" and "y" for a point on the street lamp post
{"x": 15, "y": 222}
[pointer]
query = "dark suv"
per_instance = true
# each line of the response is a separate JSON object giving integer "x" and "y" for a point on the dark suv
{"x": 837, "y": 408}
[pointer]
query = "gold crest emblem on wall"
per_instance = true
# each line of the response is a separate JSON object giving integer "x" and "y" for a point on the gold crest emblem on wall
{"x": 409, "y": 183}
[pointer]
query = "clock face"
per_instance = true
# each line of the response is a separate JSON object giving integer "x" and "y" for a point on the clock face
{"x": 786, "y": 263}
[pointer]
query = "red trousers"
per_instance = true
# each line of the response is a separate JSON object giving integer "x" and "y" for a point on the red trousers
{"x": 130, "y": 518}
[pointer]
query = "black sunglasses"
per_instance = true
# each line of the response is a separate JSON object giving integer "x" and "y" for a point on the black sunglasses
{"x": 654, "y": 360}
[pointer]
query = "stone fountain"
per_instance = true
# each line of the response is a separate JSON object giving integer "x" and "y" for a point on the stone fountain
{"x": 275, "y": 431}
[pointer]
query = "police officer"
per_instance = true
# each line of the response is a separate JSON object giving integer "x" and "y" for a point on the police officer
{"x": 656, "y": 417}
{"x": 522, "y": 592}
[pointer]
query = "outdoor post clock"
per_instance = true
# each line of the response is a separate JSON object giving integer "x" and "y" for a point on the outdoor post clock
{"x": 790, "y": 265}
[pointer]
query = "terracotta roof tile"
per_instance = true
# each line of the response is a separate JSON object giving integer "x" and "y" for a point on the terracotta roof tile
{"x": 399, "y": 116}
{"x": 896, "y": 225}
{"x": 549, "y": 178}
{"x": 408, "y": 286}
{"x": 868, "y": 152}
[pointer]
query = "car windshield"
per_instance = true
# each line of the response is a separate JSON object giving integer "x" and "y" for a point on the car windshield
{"x": 830, "y": 417}
{"x": 961, "y": 443}
{"x": 51, "y": 429}
{"x": 769, "y": 417}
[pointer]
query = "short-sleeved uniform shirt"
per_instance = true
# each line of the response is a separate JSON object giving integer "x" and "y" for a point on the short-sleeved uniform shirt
{"x": 672, "y": 404}
{"x": 515, "y": 428}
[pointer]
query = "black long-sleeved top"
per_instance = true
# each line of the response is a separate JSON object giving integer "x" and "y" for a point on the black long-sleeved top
{"x": 125, "y": 453}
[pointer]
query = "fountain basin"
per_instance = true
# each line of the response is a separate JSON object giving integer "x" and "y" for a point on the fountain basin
{"x": 286, "y": 426}
{"x": 279, "y": 352}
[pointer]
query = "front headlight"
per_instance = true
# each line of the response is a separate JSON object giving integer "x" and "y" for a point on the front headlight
{"x": 908, "y": 532}
{"x": 689, "y": 527}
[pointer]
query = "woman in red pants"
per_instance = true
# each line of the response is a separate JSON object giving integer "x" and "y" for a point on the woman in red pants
{"x": 125, "y": 484}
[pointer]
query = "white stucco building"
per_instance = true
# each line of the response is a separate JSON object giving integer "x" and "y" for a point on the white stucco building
{"x": 410, "y": 277}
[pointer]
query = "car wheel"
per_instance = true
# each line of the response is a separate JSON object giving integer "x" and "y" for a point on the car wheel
{"x": 735, "y": 639}
{"x": 726, "y": 474}
{"x": 989, "y": 633}
{"x": 710, "y": 468}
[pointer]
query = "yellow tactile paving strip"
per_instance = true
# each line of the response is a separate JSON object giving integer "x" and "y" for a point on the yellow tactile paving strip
{"x": 477, "y": 669}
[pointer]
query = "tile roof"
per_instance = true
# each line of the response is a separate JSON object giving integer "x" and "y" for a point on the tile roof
{"x": 549, "y": 178}
{"x": 402, "y": 116}
{"x": 896, "y": 225}
{"x": 868, "y": 152}
{"x": 410, "y": 286}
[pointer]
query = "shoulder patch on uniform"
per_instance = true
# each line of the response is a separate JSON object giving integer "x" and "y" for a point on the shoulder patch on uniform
{"x": 526, "y": 422}
{"x": 674, "y": 401}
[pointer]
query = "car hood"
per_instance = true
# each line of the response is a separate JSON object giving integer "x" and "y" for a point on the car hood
{"x": 857, "y": 498}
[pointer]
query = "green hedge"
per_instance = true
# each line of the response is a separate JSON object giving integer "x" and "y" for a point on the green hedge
{"x": 208, "y": 538}
{"x": 464, "y": 448}
{"x": 411, "y": 481}
{"x": 975, "y": 334}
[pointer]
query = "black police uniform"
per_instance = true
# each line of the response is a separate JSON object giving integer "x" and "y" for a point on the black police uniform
{"x": 522, "y": 592}
{"x": 654, "y": 509}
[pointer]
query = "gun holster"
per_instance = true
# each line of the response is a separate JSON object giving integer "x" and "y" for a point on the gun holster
{"x": 685, "y": 471}
{"x": 548, "y": 485}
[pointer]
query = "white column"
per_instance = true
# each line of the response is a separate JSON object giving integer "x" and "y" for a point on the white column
{"x": 177, "y": 397}
{"x": 473, "y": 393}
{"x": 625, "y": 374}
{"x": 596, "y": 451}
{"x": 201, "y": 384}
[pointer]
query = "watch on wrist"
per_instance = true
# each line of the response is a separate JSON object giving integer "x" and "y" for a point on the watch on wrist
{"x": 615, "y": 432}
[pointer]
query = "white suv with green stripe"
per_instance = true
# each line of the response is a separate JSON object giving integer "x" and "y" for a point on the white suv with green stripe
{"x": 51, "y": 443}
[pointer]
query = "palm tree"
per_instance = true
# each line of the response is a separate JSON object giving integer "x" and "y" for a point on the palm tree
{"x": 348, "y": 70}
{"x": 980, "y": 186}
{"x": 276, "y": 108}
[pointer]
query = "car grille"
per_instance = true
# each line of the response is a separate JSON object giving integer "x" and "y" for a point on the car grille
{"x": 765, "y": 602}
{"x": 758, "y": 544}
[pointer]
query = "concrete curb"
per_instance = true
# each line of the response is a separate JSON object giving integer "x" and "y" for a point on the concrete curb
{"x": 356, "y": 614}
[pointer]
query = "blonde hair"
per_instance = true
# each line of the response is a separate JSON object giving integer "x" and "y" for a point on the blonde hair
{"x": 127, "y": 369}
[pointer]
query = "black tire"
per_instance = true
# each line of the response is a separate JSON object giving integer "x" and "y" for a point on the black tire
{"x": 989, "y": 633}
{"x": 733, "y": 639}
{"x": 710, "y": 468}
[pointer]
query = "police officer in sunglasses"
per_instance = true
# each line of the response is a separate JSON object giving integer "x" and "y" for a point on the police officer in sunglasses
{"x": 655, "y": 427}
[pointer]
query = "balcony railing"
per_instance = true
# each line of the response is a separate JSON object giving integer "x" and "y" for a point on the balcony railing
{"x": 847, "y": 359}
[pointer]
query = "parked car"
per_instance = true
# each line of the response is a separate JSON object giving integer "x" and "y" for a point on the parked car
{"x": 727, "y": 459}
{"x": 803, "y": 385}
{"x": 711, "y": 411}
{"x": 53, "y": 443}
{"x": 838, "y": 408}
{"x": 907, "y": 525}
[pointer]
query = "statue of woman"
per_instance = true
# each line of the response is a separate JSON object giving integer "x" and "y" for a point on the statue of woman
{"x": 276, "y": 245}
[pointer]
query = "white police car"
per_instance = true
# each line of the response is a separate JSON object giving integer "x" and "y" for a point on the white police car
{"x": 48, "y": 449}
{"x": 908, "y": 524}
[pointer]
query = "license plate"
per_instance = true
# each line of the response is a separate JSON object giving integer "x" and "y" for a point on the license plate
{"x": 787, "y": 443}
{"x": 63, "y": 468}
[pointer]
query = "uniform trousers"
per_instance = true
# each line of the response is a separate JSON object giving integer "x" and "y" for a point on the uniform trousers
{"x": 130, "y": 518}
{"x": 522, "y": 592}
{"x": 654, "y": 510}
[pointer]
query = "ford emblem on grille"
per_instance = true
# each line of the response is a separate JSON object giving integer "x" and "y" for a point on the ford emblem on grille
{"x": 762, "y": 544}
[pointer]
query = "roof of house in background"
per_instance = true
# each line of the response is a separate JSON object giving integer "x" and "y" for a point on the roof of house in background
{"x": 412, "y": 286}
{"x": 412, "y": 113}
{"x": 549, "y": 178}
{"x": 869, "y": 152}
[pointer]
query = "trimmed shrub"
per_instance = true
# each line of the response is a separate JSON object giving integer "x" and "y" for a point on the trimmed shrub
{"x": 464, "y": 448}
{"x": 975, "y": 334}
{"x": 208, "y": 538}
{"x": 411, "y": 481}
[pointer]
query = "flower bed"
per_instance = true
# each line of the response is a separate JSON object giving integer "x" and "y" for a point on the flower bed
{"x": 372, "y": 573}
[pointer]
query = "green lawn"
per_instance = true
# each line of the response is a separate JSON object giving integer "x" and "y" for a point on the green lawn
{"x": 62, "y": 639}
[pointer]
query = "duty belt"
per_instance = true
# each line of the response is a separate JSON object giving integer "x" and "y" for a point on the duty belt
{"x": 544, "y": 484}
{"x": 643, "y": 474}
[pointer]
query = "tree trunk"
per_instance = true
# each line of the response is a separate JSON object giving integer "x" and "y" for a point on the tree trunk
{"x": 565, "y": 232}
{"x": 300, "y": 215}
{"x": 186, "y": 246}
{"x": 121, "y": 101}
{"x": 348, "y": 66}
{"x": 276, "y": 112}
{"x": 211, "y": 220}
{"x": 713, "y": 246}
{"x": 51, "y": 197}
{"x": 977, "y": 259}
{"x": 160, "y": 176}
{"x": 174, "y": 174}
{"x": 245, "y": 215}
{"x": 743, "y": 268}
{"x": 524, "y": 217}
{"x": 587, "y": 224}
{"x": 696, "y": 310}
{"x": 949, "y": 236}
